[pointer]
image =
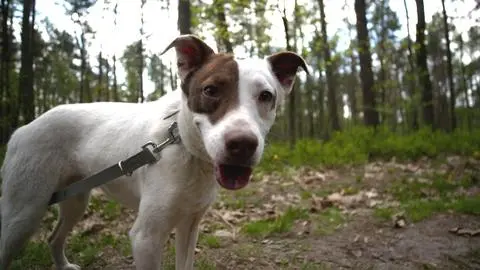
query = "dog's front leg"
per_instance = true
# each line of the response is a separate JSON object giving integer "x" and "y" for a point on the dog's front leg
{"x": 150, "y": 232}
{"x": 186, "y": 240}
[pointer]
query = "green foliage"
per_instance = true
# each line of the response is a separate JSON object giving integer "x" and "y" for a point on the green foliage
{"x": 329, "y": 220}
{"x": 360, "y": 144}
{"x": 281, "y": 224}
{"x": 35, "y": 255}
{"x": 421, "y": 199}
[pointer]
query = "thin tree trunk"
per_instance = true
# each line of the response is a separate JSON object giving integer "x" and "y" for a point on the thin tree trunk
{"x": 424, "y": 76}
{"x": 5, "y": 101}
{"x": 184, "y": 17}
{"x": 107, "y": 80}
{"x": 115, "y": 83}
{"x": 366, "y": 74}
{"x": 222, "y": 25}
{"x": 331, "y": 80}
{"x": 465, "y": 83}
{"x": 114, "y": 71}
{"x": 100, "y": 77}
{"x": 412, "y": 78}
{"x": 292, "y": 99}
{"x": 353, "y": 89}
{"x": 381, "y": 57}
{"x": 173, "y": 78}
{"x": 311, "y": 109}
{"x": 26, "y": 94}
{"x": 83, "y": 66}
{"x": 298, "y": 94}
{"x": 140, "y": 55}
{"x": 451, "y": 83}
{"x": 321, "y": 103}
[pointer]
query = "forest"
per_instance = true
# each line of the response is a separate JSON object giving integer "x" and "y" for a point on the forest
{"x": 388, "y": 121}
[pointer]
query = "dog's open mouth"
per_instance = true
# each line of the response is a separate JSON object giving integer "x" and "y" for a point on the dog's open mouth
{"x": 232, "y": 177}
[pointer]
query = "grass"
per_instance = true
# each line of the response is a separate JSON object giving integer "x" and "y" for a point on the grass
{"x": 358, "y": 145}
{"x": 83, "y": 250}
{"x": 420, "y": 200}
{"x": 34, "y": 256}
{"x": 278, "y": 225}
{"x": 329, "y": 220}
{"x": 210, "y": 241}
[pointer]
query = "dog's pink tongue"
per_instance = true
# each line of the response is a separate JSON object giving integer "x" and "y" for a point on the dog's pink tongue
{"x": 232, "y": 177}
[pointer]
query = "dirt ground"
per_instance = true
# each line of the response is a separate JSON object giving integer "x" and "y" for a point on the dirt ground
{"x": 381, "y": 215}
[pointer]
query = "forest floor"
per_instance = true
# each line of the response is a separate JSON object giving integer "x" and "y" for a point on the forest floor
{"x": 381, "y": 215}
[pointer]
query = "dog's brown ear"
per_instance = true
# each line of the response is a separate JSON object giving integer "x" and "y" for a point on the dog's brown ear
{"x": 192, "y": 52}
{"x": 285, "y": 66}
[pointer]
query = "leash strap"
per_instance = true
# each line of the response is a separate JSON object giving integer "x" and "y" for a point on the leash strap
{"x": 124, "y": 167}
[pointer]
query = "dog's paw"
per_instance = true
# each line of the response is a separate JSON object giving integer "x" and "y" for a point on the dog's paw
{"x": 70, "y": 266}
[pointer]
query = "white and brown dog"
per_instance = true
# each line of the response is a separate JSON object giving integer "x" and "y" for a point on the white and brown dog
{"x": 226, "y": 108}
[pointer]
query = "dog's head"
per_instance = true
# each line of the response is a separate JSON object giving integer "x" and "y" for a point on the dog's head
{"x": 233, "y": 102}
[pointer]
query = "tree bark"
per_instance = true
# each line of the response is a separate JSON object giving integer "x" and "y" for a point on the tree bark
{"x": 424, "y": 76}
{"x": 115, "y": 83}
{"x": 451, "y": 83}
{"x": 370, "y": 116}
{"x": 114, "y": 68}
{"x": 184, "y": 17}
{"x": 5, "y": 100}
{"x": 140, "y": 55}
{"x": 100, "y": 77}
{"x": 353, "y": 89}
{"x": 292, "y": 100}
{"x": 465, "y": 82}
{"x": 219, "y": 6}
{"x": 331, "y": 80}
{"x": 26, "y": 94}
{"x": 412, "y": 78}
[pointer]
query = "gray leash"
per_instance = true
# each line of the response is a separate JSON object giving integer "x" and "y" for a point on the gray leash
{"x": 148, "y": 155}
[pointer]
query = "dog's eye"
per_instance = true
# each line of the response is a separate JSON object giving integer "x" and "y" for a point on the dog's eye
{"x": 210, "y": 91}
{"x": 265, "y": 96}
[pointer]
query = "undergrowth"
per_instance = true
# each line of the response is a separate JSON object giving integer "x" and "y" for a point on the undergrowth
{"x": 360, "y": 144}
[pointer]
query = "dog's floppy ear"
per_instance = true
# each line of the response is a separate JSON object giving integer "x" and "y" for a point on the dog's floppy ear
{"x": 285, "y": 66}
{"x": 192, "y": 52}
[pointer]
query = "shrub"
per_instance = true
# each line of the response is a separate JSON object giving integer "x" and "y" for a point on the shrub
{"x": 360, "y": 144}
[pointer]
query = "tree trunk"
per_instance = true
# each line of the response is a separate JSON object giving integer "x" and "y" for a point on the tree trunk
{"x": 83, "y": 66}
{"x": 107, "y": 80}
{"x": 224, "y": 34}
{"x": 311, "y": 109}
{"x": 114, "y": 68}
{"x": 100, "y": 77}
{"x": 5, "y": 101}
{"x": 353, "y": 89}
{"x": 25, "y": 90}
{"x": 115, "y": 83}
{"x": 424, "y": 76}
{"x": 292, "y": 100}
{"x": 173, "y": 78}
{"x": 184, "y": 17}
{"x": 465, "y": 83}
{"x": 331, "y": 80}
{"x": 366, "y": 74}
{"x": 140, "y": 55}
{"x": 382, "y": 78}
{"x": 299, "y": 109}
{"x": 451, "y": 84}
{"x": 412, "y": 78}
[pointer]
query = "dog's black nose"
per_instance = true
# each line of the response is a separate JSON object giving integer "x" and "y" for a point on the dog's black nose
{"x": 240, "y": 144}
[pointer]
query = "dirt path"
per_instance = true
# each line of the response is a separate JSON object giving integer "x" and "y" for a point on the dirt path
{"x": 377, "y": 216}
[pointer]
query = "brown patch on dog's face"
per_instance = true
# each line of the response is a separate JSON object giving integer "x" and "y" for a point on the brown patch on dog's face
{"x": 212, "y": 89}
